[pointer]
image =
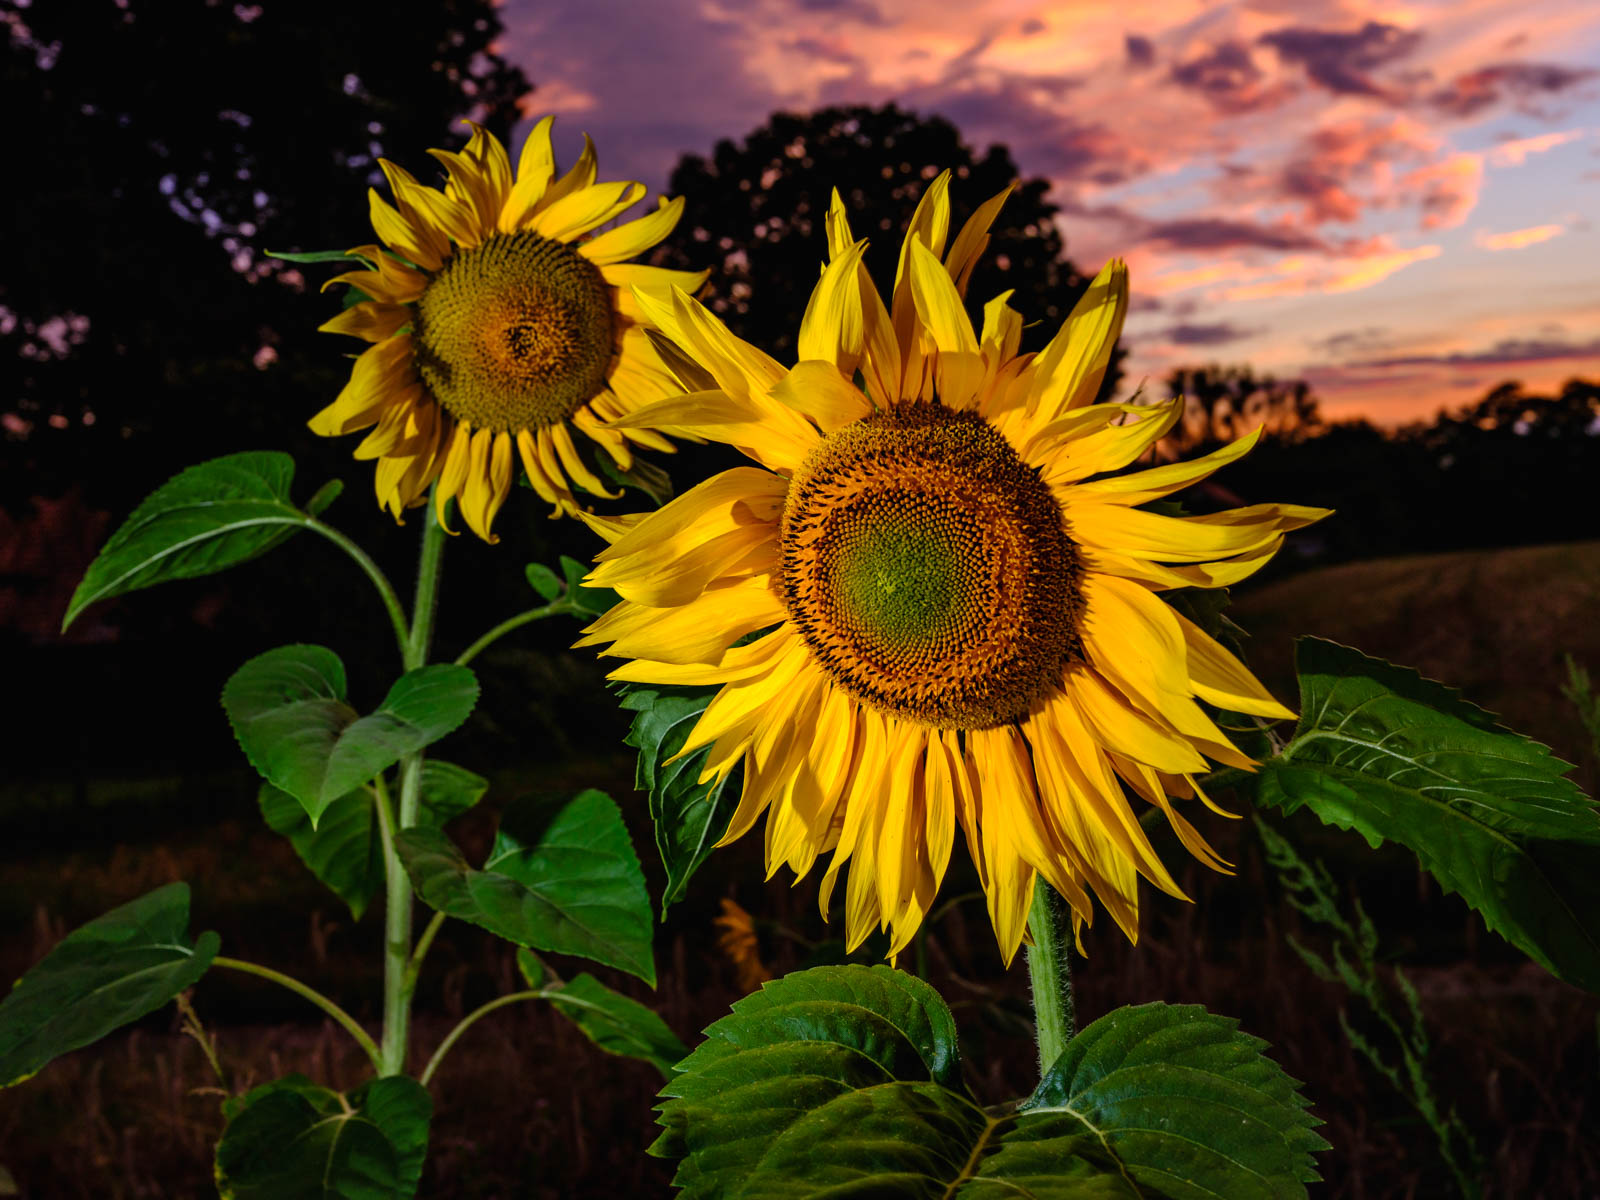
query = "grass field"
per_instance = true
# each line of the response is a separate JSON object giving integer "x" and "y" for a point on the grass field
{"x": 1512, "y": 1048}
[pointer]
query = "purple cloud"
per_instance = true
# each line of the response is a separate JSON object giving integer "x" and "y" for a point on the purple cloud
{"x": 1468, "y": 94}
{"x": 1216, "y": 334}
{"x": 1343, "y": 62}
{"x": 1510, "y": 350}
{"x": 1227, "y": 76}
{"x": 1141, "y": 51}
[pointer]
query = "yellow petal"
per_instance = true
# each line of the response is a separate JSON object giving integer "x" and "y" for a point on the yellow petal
{"x": 535, "y": 168}
{"x": 368, "y": 320}
{"x": 822, "y": 394}
{"x": 1140, "y": 487}
{"x": 635, "y": 237}
{"x": 1221, "y": 679}
{"x": 580, "y": 212}
{"x": 1072, "y": 366}
{"x": 973, "y": 238}
{"x": 832, "y": 328}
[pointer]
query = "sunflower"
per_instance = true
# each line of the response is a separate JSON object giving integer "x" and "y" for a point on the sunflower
{"x": 957, "y": 597}
{"x": 498, "y": 327}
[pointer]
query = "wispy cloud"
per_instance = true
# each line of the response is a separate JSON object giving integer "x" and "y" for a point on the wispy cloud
{"x": 1516, "y": 239}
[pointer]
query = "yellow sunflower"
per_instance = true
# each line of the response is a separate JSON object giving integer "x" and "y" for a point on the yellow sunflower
{"x": 497, "y": 327}
{"x": 959, "y": 595}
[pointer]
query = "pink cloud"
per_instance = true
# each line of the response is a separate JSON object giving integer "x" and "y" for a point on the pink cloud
{"x": 1515, "y": 153}
{"x": 1448, "y": 189}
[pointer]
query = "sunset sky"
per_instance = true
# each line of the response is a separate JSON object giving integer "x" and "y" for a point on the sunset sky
{"x": 1396, "y": 202}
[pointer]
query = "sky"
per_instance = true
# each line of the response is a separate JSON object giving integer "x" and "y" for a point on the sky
{"x": 1395, "y": 202}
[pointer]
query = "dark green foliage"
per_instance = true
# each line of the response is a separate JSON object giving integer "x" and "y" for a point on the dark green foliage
{"x": 101, "y": 976}
{"x": 561, "y": 876}
{"x": 343, "y": 848}
{"x": 288, "y": 710}
{"x": 612, "y": 1021}
{"x": 1489, "y": 813}
{"x": 206, "y": 519}
{"x": 846, "y": 1081}
{"x": 294, "y": 1138}
{"x": 688, "y": 816}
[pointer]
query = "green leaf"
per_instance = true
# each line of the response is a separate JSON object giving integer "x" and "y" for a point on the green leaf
{"x": 294, "y": 1138}
{"x": 689, "y": 816}
{"x": 103, "y": 975}
{"x": 344, "y": 849}
{"x": 208, "y": 518}
{"x": 1189, "y": 1106}
{"x": 449, "y": 790}
{"x": 319, "y": 256}
{"x": 1488, "y": 812}
{"x": 544, "y": 581}
{"x": 288, "y": 710}
{"x": 612, "y": 1021}
{"x": 587, "y": 602}
{"x": 845, "y": 1081}
{"x": 561, "y": 876}
{"x": 568, "y": 590}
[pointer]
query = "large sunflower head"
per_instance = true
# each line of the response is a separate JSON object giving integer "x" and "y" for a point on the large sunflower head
{"x": 957, "y": 595}
{"x": 500, "y": 324}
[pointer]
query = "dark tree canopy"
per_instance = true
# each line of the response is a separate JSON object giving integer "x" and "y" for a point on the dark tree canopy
{"x": 1222, "y": 403}
{"x": 171, "y": 143}
{"x": 755, "y": 214}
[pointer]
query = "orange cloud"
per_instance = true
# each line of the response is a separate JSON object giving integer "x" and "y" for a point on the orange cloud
{"x": 1378, "y": 268}
{"x": 1449, "y": 189}
{"x": 1513, "y": 154}
{"x": 1516, "y": 239}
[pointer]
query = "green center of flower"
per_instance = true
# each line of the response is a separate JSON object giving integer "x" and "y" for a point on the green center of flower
{"x": 929, "y": 570}
{"x": 516, "y": 333}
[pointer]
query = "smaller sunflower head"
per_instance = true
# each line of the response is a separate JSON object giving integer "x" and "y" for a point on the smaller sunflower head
{"x": 501, "y": 323}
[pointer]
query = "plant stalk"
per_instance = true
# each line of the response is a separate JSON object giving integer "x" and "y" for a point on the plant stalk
{"x": 1050, "y": 975}
{"x": 310, "y": 993}
{"x": 507, "y": 626}
{"x": 397, "y": 987}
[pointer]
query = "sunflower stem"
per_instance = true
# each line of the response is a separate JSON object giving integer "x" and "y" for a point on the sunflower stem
{"x": 1050, "y": 975}
{"x": 391, "y": 602}
{"x": 555, "y": 608}
{"x": 306, "y": 991}
{"x": 398, "y": 983}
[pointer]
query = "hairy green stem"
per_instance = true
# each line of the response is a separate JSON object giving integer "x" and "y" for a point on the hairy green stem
{"x": 467, "y": 1022}
{"x": 391, "y": 602}
{"x": 310, "y": 993}
{"x": 506, "y": 626}
{"x": 1050, "y": 976}
{"x": 397, "y": 911}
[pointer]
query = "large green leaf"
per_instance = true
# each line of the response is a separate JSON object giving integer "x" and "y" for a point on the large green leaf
{"x": 561, "y": 876}
{"x": 344, "y": 849}
{"x": 288, "y": 711}
{"x": 102, "y": 975}
{"x": 294, "y": 1138}
{"x": 612, "y": 1021}
{"x": 845, "y": 1081}
{"x": 1489, "y": 813}
{"x": 689, "y": 816}
{"x": 205, "y": 519}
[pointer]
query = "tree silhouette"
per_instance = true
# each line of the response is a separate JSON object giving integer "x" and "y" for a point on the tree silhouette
{"x": 176, "y": 141}
{"x": 755, "y": 214}
{"x": 1225, "y": 402}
